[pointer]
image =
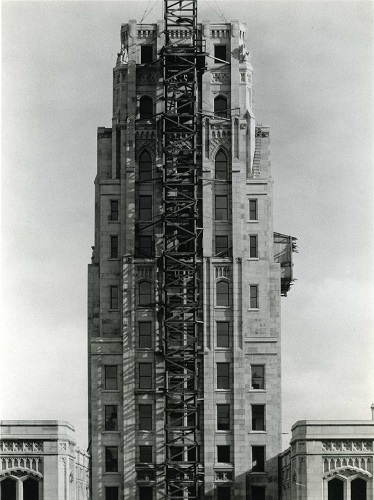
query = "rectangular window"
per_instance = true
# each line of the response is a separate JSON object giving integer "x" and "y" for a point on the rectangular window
{"x": 111, "y": 493}
{"x": 222, "y": 212}
{"x": 111, "y": 418}
{"x": 223, "y": 294}
{"x": 145, "y": 207}
{"x": 145, "y": 417}
{"x": 224, "y": 493}
{"x": 145, "y": 334}
{"x": 176, "y": 453}
{"x": 114, "y": 297}
{"x": 114, "y": 247}
{"x": 111, "y": 459}
{"x": 222, "y": 246}
{"x": 146, "y": 54}
{"x": 258, "y": 417}
{"x": 253, "y": 247}
{"x": 114, "y": 213}
{"x": 223, "y": 339}
{"x": 223, "y": 417}
{"x": 253, "y": 215}
{"x": 145, "y": 375}
{"x": 111, "y": 378}
{"x": 220, "y": 53}
{"x": 145, "y": 493}
{"x": 258, "y": 458}
{"x": 253, "y": 297}
{"x": 145, "y": 454}
{"x": 223, "y": 375}
{"x": 258, "y": 376}
{"x": 223, "y": 454}
{"x": 258, "y": 492}
{"x": 144, "y": 246}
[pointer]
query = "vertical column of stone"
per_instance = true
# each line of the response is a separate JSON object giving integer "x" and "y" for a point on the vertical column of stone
{"x": 129, "y": 408}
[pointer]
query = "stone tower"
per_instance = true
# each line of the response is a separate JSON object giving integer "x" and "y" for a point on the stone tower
{"x": 244, "y": 268}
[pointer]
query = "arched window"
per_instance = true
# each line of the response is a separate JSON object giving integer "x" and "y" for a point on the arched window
{"x": 221, "y": 165}
{"x": 220, "y": 106}
{"x": 146, "y": 107}
{"x": 335, "y": 489}
{"x": 358, "y": 489}
{"x": 145, "y": 293}
{"x": 8, "y": 489}
{"x": 223, "y": 293}
{"x": 30, "y": 489}
{"x": 145, "y": 166}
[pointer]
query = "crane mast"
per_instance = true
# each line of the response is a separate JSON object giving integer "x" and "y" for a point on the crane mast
{"x": 182, "y": 62}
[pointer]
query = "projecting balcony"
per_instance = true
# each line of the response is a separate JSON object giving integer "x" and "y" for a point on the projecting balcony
{"x": 284, "y": 247}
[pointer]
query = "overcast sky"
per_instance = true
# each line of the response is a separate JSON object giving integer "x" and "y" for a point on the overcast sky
{"x": 313, "y": 81}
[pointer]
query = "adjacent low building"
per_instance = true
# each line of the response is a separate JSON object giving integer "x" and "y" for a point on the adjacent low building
{"x": 41, "y": 461}
{"x": 329, "y": 460}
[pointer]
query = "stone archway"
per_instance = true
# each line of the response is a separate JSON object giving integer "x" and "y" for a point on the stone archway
{"x": 8, "y": 489}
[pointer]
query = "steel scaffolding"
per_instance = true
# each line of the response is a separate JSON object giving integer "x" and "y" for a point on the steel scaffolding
{"x": 182, "y": 61}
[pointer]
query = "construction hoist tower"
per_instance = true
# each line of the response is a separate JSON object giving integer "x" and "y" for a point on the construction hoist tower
{"x": 182, "y": 63}
{"x": 187, "y": 274}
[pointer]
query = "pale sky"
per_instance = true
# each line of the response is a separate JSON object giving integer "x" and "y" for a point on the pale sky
{"x": 313, "y": 81}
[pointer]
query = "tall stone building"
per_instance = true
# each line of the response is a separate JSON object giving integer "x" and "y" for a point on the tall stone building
{"x": 222, "y": 437}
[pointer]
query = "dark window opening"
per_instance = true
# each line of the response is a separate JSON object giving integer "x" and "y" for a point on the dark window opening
{"x": 145, "y": 107}
{"x": 145, "y": 293}
{"x": 335, "y": 489}
{"x": 30, "y": 490}
{"x": 111, "y": 493}
{"x": 223, "y": 493}
{"x": 145, "y": 375}
{"x": 223, "y": 297}
{"x": 258, "y": 458}
{"x": 111, "y": 459}
{"x": 111, "y": 378}
{"x": 253, "y": 296}
{"x": 223, "y": 375}
{"x": 221, "y": 209}
{"x": 221, "y": 166}
{"x": 144, "y": 248}
{"x": 258, "y": 417}
{"x": 145, "y": 207}
{"x": 223, "y": 334}
{"x": 111, "y": 418}
{"x": 358, "y": 489}
{"x": 145, "y": 454}
{"x": 220, "y": 52}
{"x": 114, "y": 210}
{"x": 220, "y": 107}
{"x": 222, "y": 246}
{"x": 145, "y": 417}
{"x": 114, "y": 302}
{"x": 176, "y": 453}
{"x": 223, "y": 454}
{"x": 258, "y": 376}
{"x": 145, "y": 334}
{"x": 223, "y": 417}
{"x": 114, "y": 247}
{"x": 145, "y": 167}
{"x": 258, "y": 492}
{"x": 146, "y": 54}
{"x": 145, "y": 493}
{"x": 253, "y": 247}
{"x": 253, "y": 215}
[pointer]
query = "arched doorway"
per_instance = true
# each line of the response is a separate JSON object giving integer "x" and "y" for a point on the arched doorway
{"x": 358, "y": 489}
{"x": 336, "y": 489}
{"x": 8, "y": 489}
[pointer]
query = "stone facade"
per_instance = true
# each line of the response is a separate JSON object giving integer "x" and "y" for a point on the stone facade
{"x": 329, "y": 460}
{"x": 240, "y": 328}
{"x": 41, "y": 461}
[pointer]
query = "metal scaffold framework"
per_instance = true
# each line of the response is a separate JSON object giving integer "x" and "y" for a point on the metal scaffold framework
{"x": 182, "y": 63}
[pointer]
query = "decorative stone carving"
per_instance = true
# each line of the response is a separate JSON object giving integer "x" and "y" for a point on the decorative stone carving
{"x": 244, "y": 54}
{"x": 220, "y": 77}
{"x": 220, "y": 34}
{"x": 223, "y": 475}
{"x": 21, "y": 445}
{"x": 146, "y": 78}
{"x": 347, "y": 445}
{"x": 144, "y": 272}
{"x": 222, "y": 272}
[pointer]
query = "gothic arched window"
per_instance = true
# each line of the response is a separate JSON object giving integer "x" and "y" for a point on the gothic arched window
{"x": 145, "y": 166}
{"x": 223, "y": 293}
{"x": 220, "y": 106}
{"x": 146, "y": 107}
{"x": 145, "y": 293}
{"x": 221, "y": 165}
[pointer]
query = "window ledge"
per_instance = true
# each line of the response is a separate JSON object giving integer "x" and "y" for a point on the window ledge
{"x": 111, "y": 432}
{"x": 111, "y": 473}
{"x": 253, "y": 258}
{"x": 253, "y": 309}
{"x": 113, "y": 221}
{"x": 254, "y": 221}
{"x": 110, "y": 390}
{"x": 223, "y": 465}
{"x": 114, "y": 258}
{"x": 257, "y": 390}
{"x": 257, "y": 432}
{"x": 223, "y": 390}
